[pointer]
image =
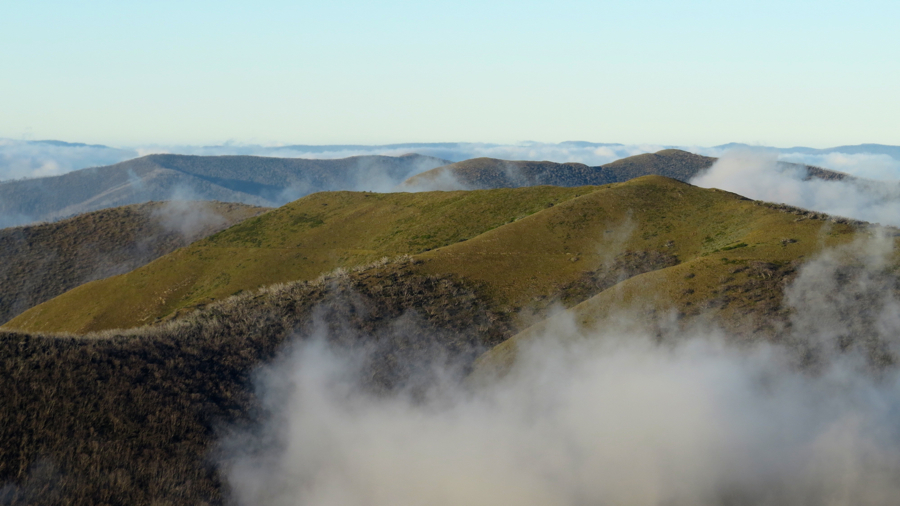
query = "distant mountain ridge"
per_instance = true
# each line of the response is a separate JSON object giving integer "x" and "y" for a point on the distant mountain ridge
{"x": 488, "y": 173}
{"x": 873, "y": 149}
{"x": 253, "y": 180}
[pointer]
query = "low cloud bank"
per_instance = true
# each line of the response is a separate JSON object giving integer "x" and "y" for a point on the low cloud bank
{"x": 30, "y": 159}
{"x": 582, "y": 152}
{"x": 615, "y": 416}
{"x": 757, "y": 174}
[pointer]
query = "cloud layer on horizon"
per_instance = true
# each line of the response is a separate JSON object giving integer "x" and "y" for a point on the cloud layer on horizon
{"x": 759, "y": 175}
{"x": 30, "y": 159}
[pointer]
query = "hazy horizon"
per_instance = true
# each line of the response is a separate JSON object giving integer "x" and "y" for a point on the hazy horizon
{"x": 50, "y": 157}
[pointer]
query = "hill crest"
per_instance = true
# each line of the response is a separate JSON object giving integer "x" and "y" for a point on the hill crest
{"x": 486, "y": 173}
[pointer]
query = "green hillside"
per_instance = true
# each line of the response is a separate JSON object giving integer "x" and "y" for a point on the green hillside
{"x": 554, "y": 244}
{"x": 301, "y": 240}
{"x": 572, "y": 251}
{"x": 42, "y": 261}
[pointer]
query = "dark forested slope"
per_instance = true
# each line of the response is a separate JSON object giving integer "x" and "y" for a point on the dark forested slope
{"x": 39, "y": 262}
{"x": 486, "y": 173}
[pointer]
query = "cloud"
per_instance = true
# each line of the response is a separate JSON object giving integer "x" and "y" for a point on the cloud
{"x": 865, "y": 165}
{"x": 757, "y": 174}
{"x": 609, "y": 416}
{"x": 191, "y": 218}
{"x": 28, "y": 159}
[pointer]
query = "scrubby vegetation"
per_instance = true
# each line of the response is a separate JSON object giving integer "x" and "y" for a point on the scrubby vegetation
{"x": 131, "y": 418}
{"x": 624, "y": 266}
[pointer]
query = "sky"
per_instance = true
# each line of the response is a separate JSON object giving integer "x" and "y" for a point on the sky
{"x": 684, "y": 72}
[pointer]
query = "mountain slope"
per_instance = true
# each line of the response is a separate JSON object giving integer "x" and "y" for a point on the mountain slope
{"x": 248, "y": 179}
{"x": 873, "y": 149}
{"x": 579, "y": 230}
{"x": 601, "y": 238}
{"x": 486, "y": 173}
{"x": 40, "y": 262}
{"x": 135, "y": 416}
{"x": 300, "y": 240}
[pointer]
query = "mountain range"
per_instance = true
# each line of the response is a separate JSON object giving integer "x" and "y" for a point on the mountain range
{"x": 487, "y": 173}
{"x": 253, "y": 180}
{"x": 270, "y": 182}
{"x": 135, "y": 333}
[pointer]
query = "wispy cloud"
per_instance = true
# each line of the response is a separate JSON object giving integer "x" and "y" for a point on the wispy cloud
{"x": 29, "y": 159}
{"x": 866, "y": 165}
{"x": 757, "y": 174}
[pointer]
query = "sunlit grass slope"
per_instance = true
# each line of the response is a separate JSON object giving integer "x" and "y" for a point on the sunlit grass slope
{"x": 734, "y": 267}
{"x": 649, "y": 218}
{"x": 298, "y": 241}
{"x": 526, "y": 248}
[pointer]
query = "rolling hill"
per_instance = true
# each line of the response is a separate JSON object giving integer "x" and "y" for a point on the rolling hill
{"x": 134, "y": 416}
{"x": 300, "y": 240}
{"x": 486, "y": 173}
{"x": 253, "y": 180}
{"x": 43, "y": 261}
{"x": 325, "y": 231}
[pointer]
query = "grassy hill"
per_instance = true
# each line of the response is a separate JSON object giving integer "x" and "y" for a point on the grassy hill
{"x": 42, "y": 261}
{"x": 255, "y": 180}
{"x": 131, "y": 416}
{"x": 652, "y": 223}
{"x": 301, "y": 240}
{"x": 485, "y": 236}
{"x": 485, "y": 173}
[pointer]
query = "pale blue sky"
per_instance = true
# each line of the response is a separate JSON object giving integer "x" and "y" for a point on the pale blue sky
{"x": 677, "y": 72}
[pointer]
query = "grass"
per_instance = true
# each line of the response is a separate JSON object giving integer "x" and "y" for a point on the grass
{"x": 534, "y": 256}
{"x": 298, "y": 241}
{"x": 521, "y": 249}
{"x": 732, "y": 271}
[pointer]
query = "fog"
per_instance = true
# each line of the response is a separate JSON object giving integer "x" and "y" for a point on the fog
{"x": 757, "y": 174}
{"x": 30, "y": 159}
{"x": 880, "y": 167}
{"x": 616, "y": 415}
